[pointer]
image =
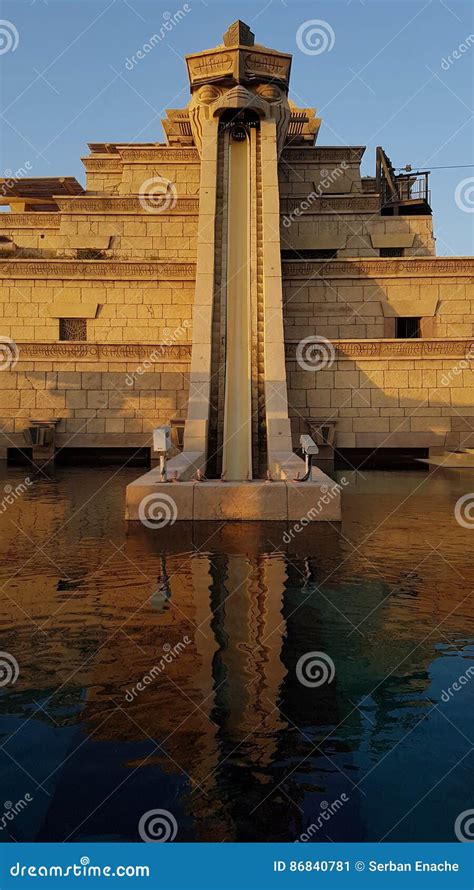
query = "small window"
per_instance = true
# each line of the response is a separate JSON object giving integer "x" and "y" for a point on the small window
{"x": 316, "y": 254}
{"x": 72, "y": 329}
{"x": 407, "y": 328}
{"x": 392, "y": 251}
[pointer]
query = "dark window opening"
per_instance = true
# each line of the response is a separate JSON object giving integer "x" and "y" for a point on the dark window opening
{"x": 392, "y": 251}
{"x": 72, "y": 329}
{"x": 407, "y": 328}
{"x": 316, "y": 254}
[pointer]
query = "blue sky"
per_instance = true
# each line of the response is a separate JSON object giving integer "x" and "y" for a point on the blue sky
{"x": 383, "y": 82}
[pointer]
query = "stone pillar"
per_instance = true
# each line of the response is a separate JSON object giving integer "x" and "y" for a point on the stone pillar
{"x": 282, "y": 462}
{"x": 194, "y": 453}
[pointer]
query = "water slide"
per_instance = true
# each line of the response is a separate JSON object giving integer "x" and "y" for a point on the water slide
{"x": 237, "y": 445}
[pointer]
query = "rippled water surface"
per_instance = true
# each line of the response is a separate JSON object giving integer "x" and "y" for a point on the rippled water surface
{"x": 222, "y": 734}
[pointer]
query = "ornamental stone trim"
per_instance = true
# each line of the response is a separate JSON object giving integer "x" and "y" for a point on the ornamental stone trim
{"x": 103, "y": 269}
{"x": 332, "y": 204}
{"x": 406, "y": 267}
{"x": 160, "y": 155}
{"x": 379, "y": 349}
{"x": 132, "y": 204}
{"x": 30, "y": 221}
{"x": 325, "y": 155}
{"x": 150, "y": 352}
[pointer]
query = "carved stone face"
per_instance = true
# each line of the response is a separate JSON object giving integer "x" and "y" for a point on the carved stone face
{"x": 268, "y": 100}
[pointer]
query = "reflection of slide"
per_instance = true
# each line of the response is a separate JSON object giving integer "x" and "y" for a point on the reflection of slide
{"x": 237, "y": 446}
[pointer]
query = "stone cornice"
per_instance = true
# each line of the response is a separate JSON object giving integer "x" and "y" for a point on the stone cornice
{"x": 160, "y": 155}
{"x": 30, "y": 221}
{"x": 351, "y": 154}
{"x": 377, "y": 349}
{"x": 359, "y": 203}
{"x": 102, "y": 269}
{"x": 124, "y": 204}
{"x": 92, "y": 352}
{"x": 109, "y": 165}
{"x": 361, "y": 267}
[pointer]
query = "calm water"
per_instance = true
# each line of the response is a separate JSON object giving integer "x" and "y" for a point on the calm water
{"x": 225, "y": 737}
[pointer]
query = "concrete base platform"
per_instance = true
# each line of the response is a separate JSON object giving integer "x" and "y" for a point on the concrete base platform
{"x": 459, "y": 460}
{"x": 157, "y": 504}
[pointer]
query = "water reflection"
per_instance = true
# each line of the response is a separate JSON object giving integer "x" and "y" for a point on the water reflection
{"x": 223, "y": 734}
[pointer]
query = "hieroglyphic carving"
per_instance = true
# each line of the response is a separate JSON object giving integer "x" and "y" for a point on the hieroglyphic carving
{"x": 350, "y": 154}
{"x": 395, "y": 348}
{"x": 93, "y": 269}
{"x": 258, "y": 64}
{"x": 29, "y": 221}
{"x": 376, "y": 268}
{"x": 160, "y": 155}
{"x": 127, "y": 204}
{"x": 153, "y": 353}
{"x": 333, "y": 204}
{"x": 210, "y": 65}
